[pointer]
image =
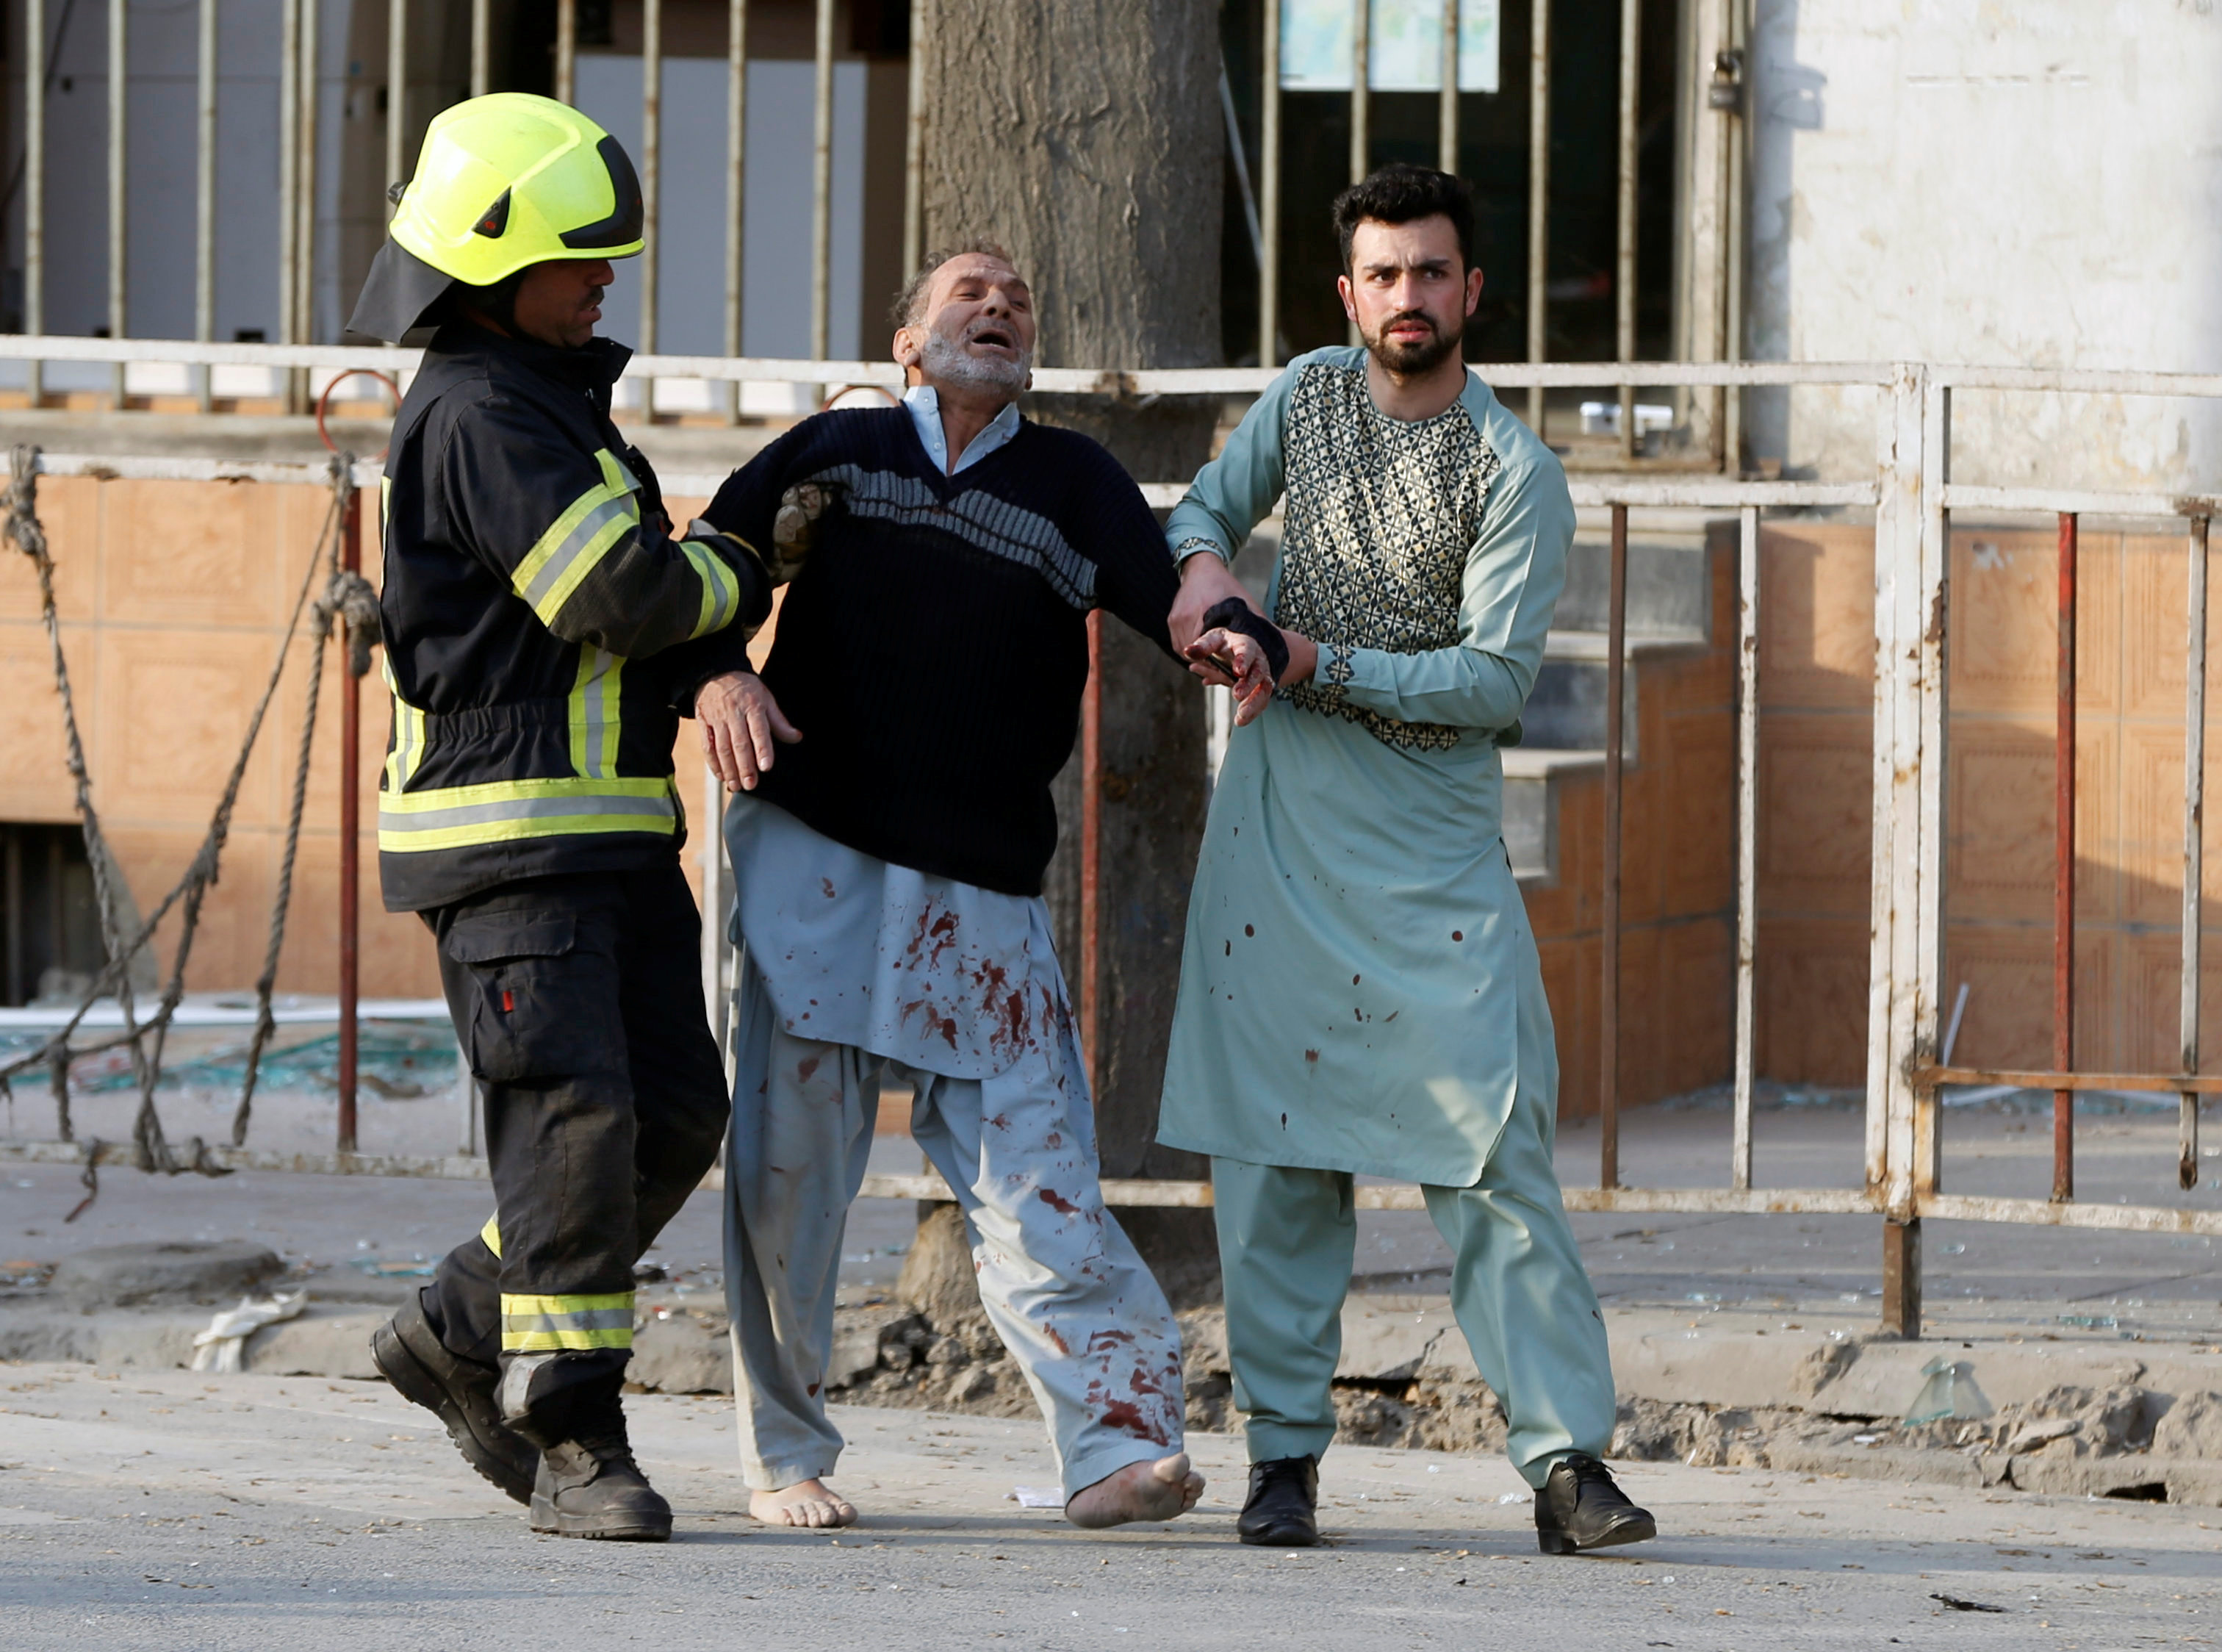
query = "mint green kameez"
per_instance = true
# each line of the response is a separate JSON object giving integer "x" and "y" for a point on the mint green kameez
{"x": 1360, "y": 990}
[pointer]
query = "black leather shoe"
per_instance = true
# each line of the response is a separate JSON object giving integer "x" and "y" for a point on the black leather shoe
{"x": 590, "y": 1487}
{"x": 460, "y": 1392}
{"x": 1280, "y": 1511}
{"x": 1579, "y": 1507}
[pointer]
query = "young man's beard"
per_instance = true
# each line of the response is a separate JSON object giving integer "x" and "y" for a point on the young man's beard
{"x": 946, "y": 358}
{"x": 1406, "y": 361}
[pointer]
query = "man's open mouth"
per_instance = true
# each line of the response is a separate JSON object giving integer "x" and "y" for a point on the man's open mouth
{"x": 995, "y": 337}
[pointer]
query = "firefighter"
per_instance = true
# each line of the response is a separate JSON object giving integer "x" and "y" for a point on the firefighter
{"x": 544, "y": 631}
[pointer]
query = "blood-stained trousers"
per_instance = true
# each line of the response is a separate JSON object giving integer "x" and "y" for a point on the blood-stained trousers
{"x": 1060, "y": 1281}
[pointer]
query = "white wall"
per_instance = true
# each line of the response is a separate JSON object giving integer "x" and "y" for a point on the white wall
{"x": 2026, "y": 182}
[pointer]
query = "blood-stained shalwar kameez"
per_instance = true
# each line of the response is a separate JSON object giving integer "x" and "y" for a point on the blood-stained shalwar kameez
{"x": 1359, "y": 989}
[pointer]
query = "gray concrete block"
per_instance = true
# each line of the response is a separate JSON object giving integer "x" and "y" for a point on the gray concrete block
{"x": 680, "y": 1355}
{"x": 126, "y": 1276}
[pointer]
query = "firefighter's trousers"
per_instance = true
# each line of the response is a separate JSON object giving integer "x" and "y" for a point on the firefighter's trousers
{"x": 579, "y": 1004}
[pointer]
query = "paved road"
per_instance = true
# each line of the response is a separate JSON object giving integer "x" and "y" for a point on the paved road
{"x": 172, "y": 1511}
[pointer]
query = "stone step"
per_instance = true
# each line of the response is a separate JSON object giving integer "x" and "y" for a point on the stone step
{"x": 1531, "y": 808}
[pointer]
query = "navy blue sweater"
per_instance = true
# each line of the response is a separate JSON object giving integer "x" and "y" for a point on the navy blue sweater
{"x": 933, "y": 649}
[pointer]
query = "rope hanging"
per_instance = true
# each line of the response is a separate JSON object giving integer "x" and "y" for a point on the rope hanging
{"x": 347, "y": 598}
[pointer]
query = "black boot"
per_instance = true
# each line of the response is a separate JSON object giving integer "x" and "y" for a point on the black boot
{"x": 589, "y": 1485}
{"x": 460, "y": 1392}
{"x": 1580, "y": 1508}
{"x": 1279, "y": 1512}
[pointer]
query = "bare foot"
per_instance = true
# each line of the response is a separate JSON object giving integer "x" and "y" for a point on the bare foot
{"x": 1157, "y": 1491}
{"x": 807, "y": 1502}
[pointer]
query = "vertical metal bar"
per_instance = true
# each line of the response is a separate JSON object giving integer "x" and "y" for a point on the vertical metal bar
{"x": 119, "y": 214}
{"x": 1539, "y": 193}
{"x": 35, "y": 186}
{"x": 1091, "y": 856}
{"x": 1241, "y": 164}
{"x": 304, "y": 179}
{"x": 2195, "y": 846}
{"x": 1623, "y": 274}
{"x": 482, "y": 47}
{"x": 350, "y": 847}
{"x": 1747, "y": 998}
{"x": 651, "y": 183}
{"x": 566, "y": 51}
{"x": 821, "y": 191}
{"x": 1362, "y": 104}
{"x": 1269, "y": 193}
{"x": 11, "y": 890}
{"x": 737, "y": 183}
{"x": 2064, "y": 871}
{"x": 205, "y": 201}
{"x": 397, "y": 96}
{"x": 1901, "y": 1278}
{"x": 1901, "y": 1022}
{"x": 914, "y": 146}
{"x": 1447, "y": 112}
{"x": 716, "y": 905}
{"x": 1615, "y": 650}
{"x": 1361, "y": 89}
{"x": 1931, "y": 611}
{"x": 289, "y": 166}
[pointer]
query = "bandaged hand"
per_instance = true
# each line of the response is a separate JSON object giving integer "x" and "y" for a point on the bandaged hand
{"x": 794, "y": 527}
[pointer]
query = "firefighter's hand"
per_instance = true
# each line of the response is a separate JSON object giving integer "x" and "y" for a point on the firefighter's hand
{"x": 741, "y": 722}
{"x": 1228, "y": 659}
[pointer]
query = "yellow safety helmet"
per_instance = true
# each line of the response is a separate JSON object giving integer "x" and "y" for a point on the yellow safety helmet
{"x": 503, "y": 182}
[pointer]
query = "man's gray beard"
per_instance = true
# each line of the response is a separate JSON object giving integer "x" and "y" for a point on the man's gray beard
{"x": 946, "y": 360}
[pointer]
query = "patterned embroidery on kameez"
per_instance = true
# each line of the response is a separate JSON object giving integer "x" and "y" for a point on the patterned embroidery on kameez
{"x": 1380, "y": 516}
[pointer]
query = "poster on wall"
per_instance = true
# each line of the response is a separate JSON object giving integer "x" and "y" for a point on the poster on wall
{"x": 1405, "y": 53}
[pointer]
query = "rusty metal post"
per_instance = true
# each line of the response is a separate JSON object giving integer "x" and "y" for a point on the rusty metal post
{"x": 1901, "y": 1278}
{"x": 1615, "y": 650}
{"x": 351, "y": 844}
{"x": 1747, "y": 916}
{"x": 914, "y": 144}
{"x": 397, "y": 97}
{"x": 1906, "y": 923}
{"x": 1091, "y": 855}
{"x": 34, "y": 188}
{"x": 2194, "y": 818}
{"x": 821, "y": 190}
{"x": 2063, "y": 874}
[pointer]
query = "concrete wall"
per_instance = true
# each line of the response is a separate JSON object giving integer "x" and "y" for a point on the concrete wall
{"x": 2032, "y": 182}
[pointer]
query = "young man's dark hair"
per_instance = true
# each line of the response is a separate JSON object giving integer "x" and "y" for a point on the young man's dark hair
{"x": 1401, "y": 192}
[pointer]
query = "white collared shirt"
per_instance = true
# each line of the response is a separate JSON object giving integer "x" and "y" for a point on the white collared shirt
{"x": 925, "y": 404}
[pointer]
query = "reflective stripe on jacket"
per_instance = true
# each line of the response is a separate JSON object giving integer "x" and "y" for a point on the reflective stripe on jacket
{"x": 544, "y": 631}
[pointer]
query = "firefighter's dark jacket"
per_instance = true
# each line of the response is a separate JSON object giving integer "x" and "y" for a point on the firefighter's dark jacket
{"x": 544, "y": 631}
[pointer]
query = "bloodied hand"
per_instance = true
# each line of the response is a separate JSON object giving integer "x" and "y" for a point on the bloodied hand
{"x": 1227, "y": 659}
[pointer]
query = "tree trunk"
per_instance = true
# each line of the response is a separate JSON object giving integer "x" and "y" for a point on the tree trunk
{"x": 1085, "y": 136}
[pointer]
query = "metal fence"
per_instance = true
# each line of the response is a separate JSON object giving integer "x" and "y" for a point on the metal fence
{"x": 303, "y": 160}
{"x": 1913, "y": 498}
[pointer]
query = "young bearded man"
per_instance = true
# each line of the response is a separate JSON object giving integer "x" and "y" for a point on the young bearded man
{"x": 1359, "y": 989}
{"x": 889, "y": 838}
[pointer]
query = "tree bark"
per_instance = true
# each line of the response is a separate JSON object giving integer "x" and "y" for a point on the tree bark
{"x": 1085, "y": 136}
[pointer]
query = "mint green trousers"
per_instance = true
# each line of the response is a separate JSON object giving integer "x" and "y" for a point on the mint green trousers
{"x": 1287, "y": 1240}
